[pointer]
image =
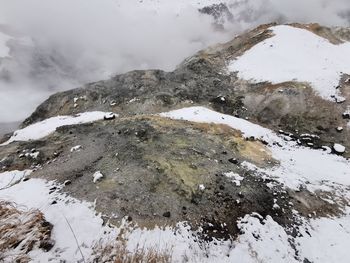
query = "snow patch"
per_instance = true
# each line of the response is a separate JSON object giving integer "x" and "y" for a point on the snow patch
{"x": 97, "y": 176}
{"x": 202, "y": 114}
{"x": 295, "y": 54}
{"x": 44, "y": 128}
{"x": 76, "y": 148}
{"x": 66, "y": 214}
{"x": 326, "y": 240}
{"x": 236, "y": 178}
{"x": 10, "y": 178}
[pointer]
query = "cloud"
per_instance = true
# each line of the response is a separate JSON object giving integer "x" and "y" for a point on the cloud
{"x": 62, "y": 44}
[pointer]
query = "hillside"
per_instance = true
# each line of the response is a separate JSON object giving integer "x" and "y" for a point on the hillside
{"x": 240, "y": 153}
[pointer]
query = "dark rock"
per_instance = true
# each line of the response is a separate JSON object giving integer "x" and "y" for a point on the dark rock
{"x": 67, "y": 182}
{"x": 46, "y": 245}
{"x": 346, "y": 115}
{"x": 233, "y": 160}
{"x": 167, "y": 214}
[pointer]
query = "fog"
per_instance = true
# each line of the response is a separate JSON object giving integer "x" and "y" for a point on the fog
{"x": 61, "y": 44}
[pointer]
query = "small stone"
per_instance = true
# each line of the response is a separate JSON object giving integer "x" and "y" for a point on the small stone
{"x": 67, "y": 182}
{"x": 167, "y": 214}
{"x": 46, "y": 245}
{"x": 109, "y": 116}
{"x": 339, "y": 129}
{"x": 346, "y": 115}
{"x": 233, "y": 160}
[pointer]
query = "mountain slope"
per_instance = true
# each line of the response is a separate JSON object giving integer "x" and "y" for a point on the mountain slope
{"x": 229, "y": 157}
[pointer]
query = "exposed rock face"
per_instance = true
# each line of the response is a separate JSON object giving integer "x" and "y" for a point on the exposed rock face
{"x": 159, "y": 171}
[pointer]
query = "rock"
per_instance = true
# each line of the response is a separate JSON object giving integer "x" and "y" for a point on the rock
{"x": 201, "y": 187}
{"x": 339, "y": 129}
{"x": 67, "y": 182}
{"x": 109, "y": 116}
{"x": 97, "y": 176}
{"x": 346, "y": 115}
{"x": 338, "y": 148}
{"x": 75, "y": 148}
{"x": 167, "y": 214}
{"x": 233, "y": 160}
{"x": 46, "y": 245}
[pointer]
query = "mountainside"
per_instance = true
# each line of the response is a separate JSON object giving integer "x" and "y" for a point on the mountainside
{"x": 241, "y": 153}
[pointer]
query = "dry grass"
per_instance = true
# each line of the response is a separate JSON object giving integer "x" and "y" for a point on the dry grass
{"x": 116, "y": 251}
{"x": 22, "y": 231}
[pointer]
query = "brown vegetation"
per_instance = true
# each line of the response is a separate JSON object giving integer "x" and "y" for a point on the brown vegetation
{"x": 21, "y": 231}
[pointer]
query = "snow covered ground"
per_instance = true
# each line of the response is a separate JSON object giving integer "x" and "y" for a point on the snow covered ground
{"x": 69, "y": 216}
{"x": 10, "y": 178}
{"x": 43, "y": 128}
{"x": 295, "y": 54}
{"x": 77, "y": 228}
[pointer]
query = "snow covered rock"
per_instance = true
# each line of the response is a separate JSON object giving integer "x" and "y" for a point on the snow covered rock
{"x": 109, "y": 116}
{"x": 97, "y": 176}
{"x": 338, "y": 148}
{"x": 76, "y": 148}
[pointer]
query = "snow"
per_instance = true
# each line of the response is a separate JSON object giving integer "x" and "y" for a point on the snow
{"x": 87, "y": 227}
{"x": 272, "y": 245}
{"x": 295, "y": 54}
{"x": 327, "y": 240}
{"x": 109, "y": 116}
{"x": 236, "y": 178}
{"x": 10, "y": 178}
{"x": 44, "y": 128}
{"x": 4, "y": 49}
{"x": 339, "y": 148}
{"x": 264, "y": 240}
{"x": 76, "y": 148}
{"x": 298, "y": 165}
{"x": 202, "y": 114}
{"x": 261, "y": 239}
{"x": 97, "y": 176}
